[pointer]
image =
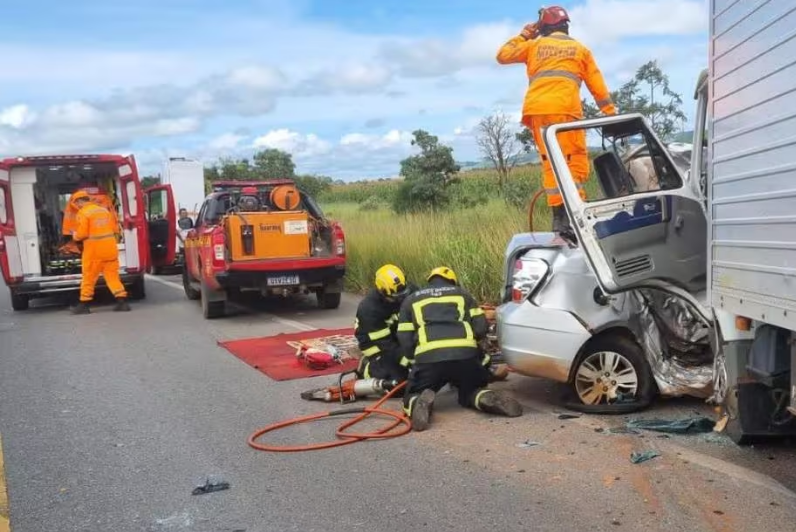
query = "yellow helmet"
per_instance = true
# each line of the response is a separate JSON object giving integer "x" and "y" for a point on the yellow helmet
{"x": 390, "y": 281}
{"x": 445, "y": 273}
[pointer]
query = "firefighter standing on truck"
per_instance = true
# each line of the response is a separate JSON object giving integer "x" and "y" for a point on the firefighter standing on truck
{"x": 439, "y": 328}
{"x": 375, "y": 326}
{"x": 96, "y": 230}
{"x": 557, "y": 65}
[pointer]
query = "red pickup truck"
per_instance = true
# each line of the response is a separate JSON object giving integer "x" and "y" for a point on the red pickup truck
{"x": 264, "y": 236}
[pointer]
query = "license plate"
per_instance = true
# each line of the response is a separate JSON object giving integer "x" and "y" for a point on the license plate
{"x": 284, "y": 280}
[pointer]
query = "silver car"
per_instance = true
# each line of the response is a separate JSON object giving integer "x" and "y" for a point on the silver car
{"x": 617, "y": 352}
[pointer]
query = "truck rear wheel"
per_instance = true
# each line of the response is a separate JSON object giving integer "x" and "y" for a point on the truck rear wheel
{"x": 328, "y": 300}
{"x": 212, "y": 306}
{"x": 20, "y": 302}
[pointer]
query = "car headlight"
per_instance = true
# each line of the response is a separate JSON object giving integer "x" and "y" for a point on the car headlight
{"x": 528, "y": 276}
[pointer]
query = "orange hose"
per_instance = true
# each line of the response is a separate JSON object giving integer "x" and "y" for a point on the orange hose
{"x": 530, "y": 209}
{"x": 345, "y": 437}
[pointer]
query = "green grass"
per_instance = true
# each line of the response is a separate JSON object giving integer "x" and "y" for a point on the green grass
{"x": 471, "y": 240}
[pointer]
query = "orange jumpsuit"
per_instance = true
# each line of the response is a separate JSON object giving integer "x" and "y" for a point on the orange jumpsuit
{"x": 557, "y": 65}
{"x": 100, "y": 255}
{"x": 69, "y": 224}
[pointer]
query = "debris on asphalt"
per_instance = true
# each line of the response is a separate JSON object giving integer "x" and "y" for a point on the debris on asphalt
{"x": 721, "y": 424}
{"x": 211, "y": 485}
{"x": 692, "y": 425}
{"x": 528, "y": 444}
{"x": 616, "y": 430}
{"x": 639, "y": 457}
{"x": 567, "y": 415}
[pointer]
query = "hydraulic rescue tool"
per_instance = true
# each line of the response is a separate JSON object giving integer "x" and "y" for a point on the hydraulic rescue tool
{"x": 349, "y": 391}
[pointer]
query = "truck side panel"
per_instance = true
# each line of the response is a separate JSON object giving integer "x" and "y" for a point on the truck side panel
{"x": 752, "y": 154}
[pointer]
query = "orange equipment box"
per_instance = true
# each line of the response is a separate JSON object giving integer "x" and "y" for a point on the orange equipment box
{"x": 268, "y": 235}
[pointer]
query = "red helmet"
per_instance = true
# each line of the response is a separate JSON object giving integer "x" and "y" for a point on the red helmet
{"x": 553, "y": 16}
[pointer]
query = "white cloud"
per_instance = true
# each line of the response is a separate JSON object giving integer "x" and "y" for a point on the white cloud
{"x": 16, "y": 116}
{"x": 290, "y": 141}
{"x": 391, "y": 139}
{"x": 227, "y": 141}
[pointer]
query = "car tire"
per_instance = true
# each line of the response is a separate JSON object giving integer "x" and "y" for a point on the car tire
{"x": 137, "y": 290}
{"x": 190, "y": 292}
{"x": 20, "y": 302}
{"x": 211, "y": 309}
{"x": 629, "y": 373}
{"x": 328, "y": 300}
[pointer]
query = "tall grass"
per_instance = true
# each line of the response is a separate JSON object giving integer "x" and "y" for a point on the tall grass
{"x": 470, "y": 238}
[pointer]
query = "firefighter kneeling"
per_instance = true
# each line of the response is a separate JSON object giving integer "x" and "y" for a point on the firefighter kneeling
{"x": 439, "y": 328}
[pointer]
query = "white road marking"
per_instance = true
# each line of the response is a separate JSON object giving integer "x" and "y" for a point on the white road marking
{"x": 284, "y": 321}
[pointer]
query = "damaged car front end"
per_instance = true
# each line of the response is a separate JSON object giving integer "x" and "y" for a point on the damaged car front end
{"x": 619, "y": 316}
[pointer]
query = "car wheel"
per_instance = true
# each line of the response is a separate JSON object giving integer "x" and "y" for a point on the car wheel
{"x": 613, "y": 376}
{"x": 190, "y": 292}
{"x": 137, "y": 290}
{"x": 20, "y": 302}
{"x": 328, "y": 300}
{"x": 211, "y": 309}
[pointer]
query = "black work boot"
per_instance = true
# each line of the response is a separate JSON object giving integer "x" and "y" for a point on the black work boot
{"x": 81, "y": 308}
{"x": 500, "y": 403}
{"x": 421, "y": 410}
{"x": 121, "y": 305}
{"x": 561, "y": 224}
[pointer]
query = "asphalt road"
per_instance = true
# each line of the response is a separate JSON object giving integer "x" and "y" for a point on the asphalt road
{"x": 108, "y": 421}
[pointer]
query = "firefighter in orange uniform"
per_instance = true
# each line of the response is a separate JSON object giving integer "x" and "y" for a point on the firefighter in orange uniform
{"x": 96, "y": 230}
{"x": 557, "y": 65}
{"x": 69, "y": 221}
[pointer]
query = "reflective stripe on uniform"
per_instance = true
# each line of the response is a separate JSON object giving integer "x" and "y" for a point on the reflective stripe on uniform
{"x": 101, "y": 237}
{"x": 476, "y": 312}
{"x": 408, "y": 409}
{"x": 555, "y": 74}
{"x": 381, "y": 333}
{"x": 405, "y": 362}
{"x": 556, "y": 190}
{"x": 486, "y": 360}
{"x": 370, "y": 351}
{"x": 406, "y": 327}
{"x": 478, "y": 397}
{"x": 423, "y": 344}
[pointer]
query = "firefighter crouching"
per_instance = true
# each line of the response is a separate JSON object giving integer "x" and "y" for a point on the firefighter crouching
{"x": 439, "y": 328}
{"x": 376, "y": 323}
{"x": 96, "y": 230}
{"x": 557, "y": 65}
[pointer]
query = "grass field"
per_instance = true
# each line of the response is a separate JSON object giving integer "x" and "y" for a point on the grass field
{"x": 470, "y": 237}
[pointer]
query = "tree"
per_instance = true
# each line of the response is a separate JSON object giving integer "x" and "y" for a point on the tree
{"x": 314, "y": 185}
{"x": 150, "y": 181}
{"x": 498, "y": 142}
{"x": 427, "y": 176}
{"x": 525, "y": 138}
{"x": 648, "y": 93}
{"x": 274, "y": 164}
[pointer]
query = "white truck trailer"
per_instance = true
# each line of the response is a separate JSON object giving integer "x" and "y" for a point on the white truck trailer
{"x": 186, "y": 177}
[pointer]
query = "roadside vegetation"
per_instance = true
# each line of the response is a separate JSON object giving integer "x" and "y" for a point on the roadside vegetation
{"x": 434, "y": 213}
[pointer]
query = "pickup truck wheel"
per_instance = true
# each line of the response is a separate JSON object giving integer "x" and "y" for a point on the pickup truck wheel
{"x": 20, "y": 302}
{"x": 137, "y": 290}
{"x": 612, "y": 376}
{"x": 328, "y": 300}
{"x": 211, "y": 309}
{"x": 190, "y": 292}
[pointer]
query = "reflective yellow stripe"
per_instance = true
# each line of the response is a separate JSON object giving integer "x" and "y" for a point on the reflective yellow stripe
{"x": 405, "y": 362}
{"x": 478, "y": 398}
{"x": 423, "y": 345}
{"x": 101, "y": 237}
{"x": 555, "y": 74}
{"x": 377, "y": 335}
{"x": 370, "y": 351}
{"x": 445, "y": 344}
{"x": 392, "y": 319}
{"x": 487, "y": 360}
{"x": 406, "y": 327}
{"x": 408, "y": 409}
{"x": 476, "y": 312}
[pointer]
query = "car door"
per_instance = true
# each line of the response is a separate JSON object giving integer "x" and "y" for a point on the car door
{"x": 649, "y": 228}
{"x": 10, "y": 256}
{"x": 136, "y": 251}
{"x": 162, "y": 224}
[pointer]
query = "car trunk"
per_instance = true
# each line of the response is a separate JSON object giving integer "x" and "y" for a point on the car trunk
{"x": 40, "y": 196}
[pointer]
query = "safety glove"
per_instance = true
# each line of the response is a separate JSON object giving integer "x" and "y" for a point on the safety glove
{"x": 530, "y": 31}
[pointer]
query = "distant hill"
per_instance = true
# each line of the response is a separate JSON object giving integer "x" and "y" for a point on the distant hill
{"x": 525, "y": 158}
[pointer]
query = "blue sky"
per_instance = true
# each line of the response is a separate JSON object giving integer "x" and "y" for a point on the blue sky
{"x": 339, "y": 83}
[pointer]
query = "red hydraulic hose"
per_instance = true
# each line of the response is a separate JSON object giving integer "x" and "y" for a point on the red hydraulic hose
{"x": 344, "y": 438}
